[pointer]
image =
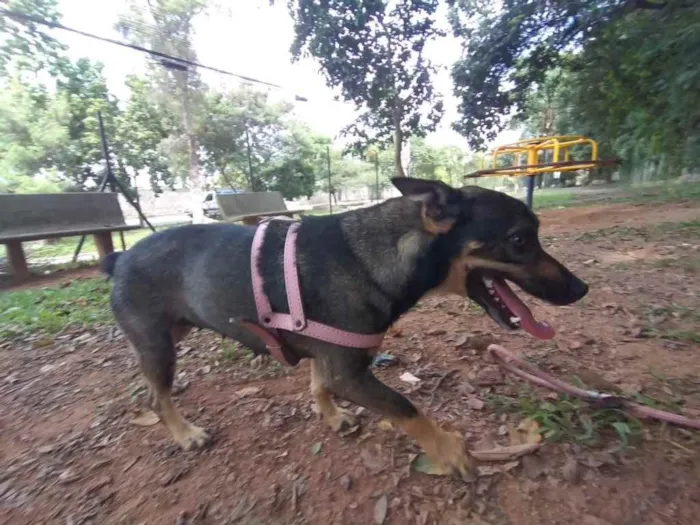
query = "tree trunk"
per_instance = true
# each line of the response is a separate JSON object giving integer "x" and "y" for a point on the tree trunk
{"x": 194, "y": 174}
{"x": 398, "y": 141}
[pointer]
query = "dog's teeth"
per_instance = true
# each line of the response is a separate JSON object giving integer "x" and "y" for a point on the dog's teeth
{"x": 488, "y": 282}
{"x": 515, "y": 320}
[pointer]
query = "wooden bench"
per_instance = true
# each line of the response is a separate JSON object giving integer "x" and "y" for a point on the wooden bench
{"x": 249, "y": 208}
{"x": 48, "y": 216}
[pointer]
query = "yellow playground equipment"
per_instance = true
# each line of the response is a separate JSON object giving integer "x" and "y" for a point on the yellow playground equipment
{"x": 542, "y": 155}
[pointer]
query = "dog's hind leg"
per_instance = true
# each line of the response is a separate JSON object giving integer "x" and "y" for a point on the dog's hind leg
{"x": 334, "y": 416}
{"x": 352, "y": 379}
{"x": 155, "y": 349}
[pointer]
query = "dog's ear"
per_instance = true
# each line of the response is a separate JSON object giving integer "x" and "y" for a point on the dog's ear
{"x": 441, "y": 204}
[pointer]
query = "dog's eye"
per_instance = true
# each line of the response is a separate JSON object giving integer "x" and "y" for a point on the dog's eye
{"x": 518, "y": 241}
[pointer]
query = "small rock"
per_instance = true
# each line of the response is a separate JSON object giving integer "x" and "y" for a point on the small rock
{"x": 346, "y": 482}
{"x": 502, "y": 430}
{"x": 475, "y": 403}
{"x": 436, "y": 331}
{"x": 45, "y": 449}
{"x": 47, "y": 368}
{"x": 205, "y": 369}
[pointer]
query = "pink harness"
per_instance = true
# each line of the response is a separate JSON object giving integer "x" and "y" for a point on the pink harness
{"x": 295, "y": 321}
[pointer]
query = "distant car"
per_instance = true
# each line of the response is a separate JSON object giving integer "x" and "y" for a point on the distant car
{"x": 209, "y": 205}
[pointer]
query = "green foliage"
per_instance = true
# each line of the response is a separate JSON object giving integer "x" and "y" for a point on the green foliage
{"x": 570, "y": 419}
{"x": 83, "y": 302}
{"x": 142, "y": 132}
{"x": 618, "y": 71}
{"x": 373, "y": 53}
{"x": 26, "y": 46}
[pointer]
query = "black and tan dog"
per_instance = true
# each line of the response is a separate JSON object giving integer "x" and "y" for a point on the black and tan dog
{"x": 359, "y": 271}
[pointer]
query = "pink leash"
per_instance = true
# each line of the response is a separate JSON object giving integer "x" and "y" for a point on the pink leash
{"x": 523, "y": 369}
{"x": 295, "y": 321}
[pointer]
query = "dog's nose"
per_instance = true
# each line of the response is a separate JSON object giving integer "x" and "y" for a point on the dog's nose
{"x": 578, "y": 288}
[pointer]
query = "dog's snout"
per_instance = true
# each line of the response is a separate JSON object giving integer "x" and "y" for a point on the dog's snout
{"x": 578, "y": 289}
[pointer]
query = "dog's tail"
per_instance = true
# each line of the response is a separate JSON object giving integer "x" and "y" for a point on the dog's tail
{"x": 109, "y": 263}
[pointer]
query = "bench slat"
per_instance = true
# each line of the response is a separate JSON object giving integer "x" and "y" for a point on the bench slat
{"x": 34, "y": 236}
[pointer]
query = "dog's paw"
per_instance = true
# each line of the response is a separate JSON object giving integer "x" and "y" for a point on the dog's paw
{"x": 340, "y": 420}
{"x": 449, "y": 452}
{"x": 193, "y": 437}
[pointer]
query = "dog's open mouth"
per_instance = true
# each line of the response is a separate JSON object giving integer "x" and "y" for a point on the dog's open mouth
{"x": 495, "y": 296}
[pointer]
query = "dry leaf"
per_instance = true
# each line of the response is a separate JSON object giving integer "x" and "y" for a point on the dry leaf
{"x": 385, "y": 425}
{"x": 422, "y": 463}
{"x": 147, "y": 419}
{"x": 505, "y": 453}
{"x": 248, "y": 391}
{"x": 527, "y": 431}
{"x": 316, "y": 448}
{"x": 408, "y": 377}
{"x": 380, "y": 510}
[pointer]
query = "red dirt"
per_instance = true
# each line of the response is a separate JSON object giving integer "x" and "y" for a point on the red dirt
{"x": 69, "y": 453}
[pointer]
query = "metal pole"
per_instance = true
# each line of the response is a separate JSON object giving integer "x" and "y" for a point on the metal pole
{"x": 330, "y": 195}
{"x": 530, "y": 190}
{"x": 376, "y": 174}
{"x": 250, "y": 161}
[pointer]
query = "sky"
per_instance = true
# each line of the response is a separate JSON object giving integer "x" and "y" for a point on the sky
{"x": 251, "y": 38}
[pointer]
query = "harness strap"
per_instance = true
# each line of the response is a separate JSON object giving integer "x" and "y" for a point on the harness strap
{"x": 295, "y": 320}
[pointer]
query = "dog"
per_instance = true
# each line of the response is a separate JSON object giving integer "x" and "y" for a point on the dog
{"x": 359, "y": 271}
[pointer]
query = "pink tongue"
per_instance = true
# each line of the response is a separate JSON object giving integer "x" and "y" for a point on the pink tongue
{"x": 541, "y": 330}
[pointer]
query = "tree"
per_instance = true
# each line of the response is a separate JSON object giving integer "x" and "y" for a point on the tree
{"x": 25, "y": 45}
{"x": 142, "y": 133}
{"x": 166, "y": 26}
{"x": 374, "y": 54}
{"x": 510, "y": 50}
{"x": 630, "y": 88}
{"x": 30, "y": 136}
{"x": 83, "y": 91}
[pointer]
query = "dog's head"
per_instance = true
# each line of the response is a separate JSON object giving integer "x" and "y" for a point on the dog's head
{"x": 490, "y": 238}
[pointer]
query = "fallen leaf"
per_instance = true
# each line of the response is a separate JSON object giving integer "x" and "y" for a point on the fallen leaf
{"x": 349, "y": 431}
{"x": 408, "y": 377}
{"x": 380, "y": 510}
{"x": 373, "y": 458}
{"x": 489, "y": 376}
{"x": 422, "y": 463}
{"x": 436, "y": 331}
{"x": 316, "y": 448}
{"x": 45, "y": 449}
{"x": 571, "y": 471}
{"x": 248, "y": 391}
{"x": 147, "y": 419}
{"x": 461, "y": 340}
{"x": 505, "y": 453}
{"x": 527, "y": 431}
{"x": 385, "y": 425}
{"x": 533, "y": 466}
{"x": 47, "y": 368}
{"x": 68, "y": 476}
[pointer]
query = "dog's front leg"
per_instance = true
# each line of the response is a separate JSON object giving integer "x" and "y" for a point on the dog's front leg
{"x": 358, "y": 385}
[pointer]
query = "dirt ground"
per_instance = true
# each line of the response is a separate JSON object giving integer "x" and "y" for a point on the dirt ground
{"x": 74, "y": 449}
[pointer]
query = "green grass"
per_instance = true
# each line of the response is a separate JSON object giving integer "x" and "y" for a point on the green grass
{"x": 66, "y": 246}
{"x": 544, "y": 199}
{"x": 656, "y": 194}
{"x": 82, "y": 302}
{"x": 568, "y": 419}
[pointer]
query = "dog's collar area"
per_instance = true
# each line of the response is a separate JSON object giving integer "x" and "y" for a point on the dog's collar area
{"x": 295, "y": 321}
